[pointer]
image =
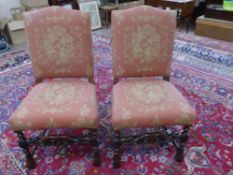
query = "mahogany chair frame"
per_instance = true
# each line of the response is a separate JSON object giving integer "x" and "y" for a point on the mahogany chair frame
{"x": 162, "y": 135}
{"x": 56, "y": 140}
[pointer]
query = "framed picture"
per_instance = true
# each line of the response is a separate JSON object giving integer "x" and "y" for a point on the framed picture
{"x": 92, "y": 8}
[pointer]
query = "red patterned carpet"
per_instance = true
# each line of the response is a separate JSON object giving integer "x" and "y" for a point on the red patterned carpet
{"x": 202, "y": 70}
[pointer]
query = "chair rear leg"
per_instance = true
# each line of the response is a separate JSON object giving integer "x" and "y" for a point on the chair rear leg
{"x": 180, "y": 147}
{"x": 117, "y": 150}
{"x": 30, "y": 162}
{"x": 96, "y": 157}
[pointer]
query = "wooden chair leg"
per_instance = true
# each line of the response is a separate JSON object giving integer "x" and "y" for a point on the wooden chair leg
{"x": 30, "y": 162}
{"x": 117, "y": 150}
{"x": 188, "y": 23}
{"x": 180, "y": 148}
{"x": 179, "y": 154}
{"x": 96, "y": 157}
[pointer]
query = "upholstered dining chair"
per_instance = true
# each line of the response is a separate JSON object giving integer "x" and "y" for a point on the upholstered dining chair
{"x": 142, "y": 47}
{"x": 60, "y": 45}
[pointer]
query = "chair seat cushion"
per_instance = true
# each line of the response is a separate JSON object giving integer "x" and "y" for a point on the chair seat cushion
{"x": 149, "y": 103}
{"x": 57, "y": 104}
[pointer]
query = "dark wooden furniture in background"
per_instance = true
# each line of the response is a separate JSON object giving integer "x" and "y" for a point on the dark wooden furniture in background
{"x": 107, "y": 10}
{"x": 185, "y": 8}
{"x": 64, "y": 2}
{"x": 214, "y": 9}
{"x": 214, "y": 1}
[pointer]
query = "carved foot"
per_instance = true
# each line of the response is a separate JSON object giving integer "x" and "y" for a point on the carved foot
{"x": 30, "y": 163}
{"x": 96, "y": 157}
{"x": 116, "y": 161}
{"x": 117, "y": 150}
{"x": 179, "y": 154}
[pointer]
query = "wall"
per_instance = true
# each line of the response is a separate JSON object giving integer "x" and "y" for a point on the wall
{"x": 5, "y": 6}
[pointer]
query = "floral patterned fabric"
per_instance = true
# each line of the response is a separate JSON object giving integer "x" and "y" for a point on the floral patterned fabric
{"x": 57, "y": 104}
{"x": 61, "y": 38}
{"x": 149, "y": 103}
{"x": 142, "y": 41}
{"x": 142, "y": 46}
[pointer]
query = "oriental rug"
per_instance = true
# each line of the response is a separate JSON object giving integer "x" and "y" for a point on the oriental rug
{"x": 202, "y": 70}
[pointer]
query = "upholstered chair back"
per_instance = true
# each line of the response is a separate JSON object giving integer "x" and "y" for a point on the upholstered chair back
{"x": 60, "y": 42}
{"x": 142, "y": 41}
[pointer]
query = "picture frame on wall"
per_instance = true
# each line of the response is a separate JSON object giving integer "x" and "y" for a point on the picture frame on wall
{"x": 92, "y": 8}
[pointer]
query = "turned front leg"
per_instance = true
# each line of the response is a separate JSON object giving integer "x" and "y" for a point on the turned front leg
{"x": 181, "y": 143}
{"x": 30, "y": 162}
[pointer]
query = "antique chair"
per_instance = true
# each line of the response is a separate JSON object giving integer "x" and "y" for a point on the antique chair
{"x": 61, "y": 52}
{"x": 142, "y": 47}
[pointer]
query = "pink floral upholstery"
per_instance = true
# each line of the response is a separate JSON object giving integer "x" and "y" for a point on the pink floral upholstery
{"x": 142, "y": 46}
{"x": 149, "y": 103}
{"x": 60, "y": 45}
{"x": 142, "y": 41}
{"x": 57, "y": 104}
{"x": 59, "y": 42}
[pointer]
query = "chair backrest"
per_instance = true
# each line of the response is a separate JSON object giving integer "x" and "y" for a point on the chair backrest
{"x": 59, "y": 42}
{"x": 142, "y": 41}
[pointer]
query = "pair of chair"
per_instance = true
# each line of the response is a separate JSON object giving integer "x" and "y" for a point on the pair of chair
{"x": 61, "y": 47}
